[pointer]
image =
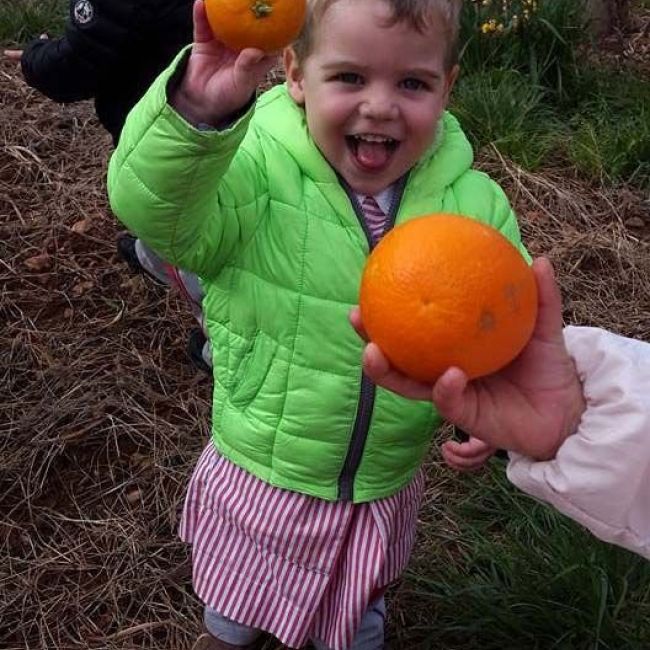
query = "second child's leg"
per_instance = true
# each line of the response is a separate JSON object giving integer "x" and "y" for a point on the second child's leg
{"x": 142, "y": 259}
{"x": 371, "y": 631}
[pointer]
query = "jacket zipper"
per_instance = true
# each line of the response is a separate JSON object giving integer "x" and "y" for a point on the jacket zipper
{"x": 367, "y": 390}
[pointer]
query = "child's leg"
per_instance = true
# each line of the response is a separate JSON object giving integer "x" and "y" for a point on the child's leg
{"x": 227, "y": 633}
{"x": 370, "y": 635}
{"x": 141, "y": 259}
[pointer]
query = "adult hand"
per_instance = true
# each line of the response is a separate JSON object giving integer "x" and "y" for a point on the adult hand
{"x": 218, "y": 82}
{"x": 530, "y": 406}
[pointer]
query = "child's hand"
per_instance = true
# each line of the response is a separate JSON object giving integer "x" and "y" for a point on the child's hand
{"x": 13, "y": 55}
{"x": 218, "y": 82}
{"x": 530, "y": 406}
{"x": 468, "y": 456}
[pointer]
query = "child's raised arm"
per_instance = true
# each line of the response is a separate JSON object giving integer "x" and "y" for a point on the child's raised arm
{"x": 166, "y": 180}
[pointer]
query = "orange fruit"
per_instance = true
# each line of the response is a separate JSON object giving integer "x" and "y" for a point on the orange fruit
{"x": 446, "y": 290}
{"x": 267, "y": 25}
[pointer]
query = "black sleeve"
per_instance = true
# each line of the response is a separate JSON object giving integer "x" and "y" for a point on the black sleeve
{"x": 72, "y": 67}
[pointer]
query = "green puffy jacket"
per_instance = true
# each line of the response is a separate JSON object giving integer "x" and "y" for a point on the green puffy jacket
{"x": 280, "y": 245}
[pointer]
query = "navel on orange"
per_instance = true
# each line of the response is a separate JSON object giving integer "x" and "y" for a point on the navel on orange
{"x": 445, "y": 290}
{"x": 267, "y": 25}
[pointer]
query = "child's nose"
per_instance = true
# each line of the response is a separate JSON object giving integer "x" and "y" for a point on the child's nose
{"x": 379, "y": 106}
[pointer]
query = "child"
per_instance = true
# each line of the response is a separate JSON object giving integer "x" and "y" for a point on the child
{"x": 111, "y": 51}
{"x": 302, "y": 509}
{"x": 578, "y": 426}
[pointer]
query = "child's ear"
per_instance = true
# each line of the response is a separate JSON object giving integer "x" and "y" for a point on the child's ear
{"x": 294, "y": 76}
{"x": 450, "y": 80}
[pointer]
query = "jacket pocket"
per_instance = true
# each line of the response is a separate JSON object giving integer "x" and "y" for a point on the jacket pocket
{"x": 253, "y": 370}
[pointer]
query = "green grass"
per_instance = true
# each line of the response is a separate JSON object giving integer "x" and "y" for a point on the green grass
{"x": 23, "y": 20}
{"x": 506, "y": 109}
{"x": 519, "y": 575}
{"x": 602, "y": 128}
{"x": 611, "y": 131}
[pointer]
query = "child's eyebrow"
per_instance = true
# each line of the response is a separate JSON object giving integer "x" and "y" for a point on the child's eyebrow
{"x": 422, "y": 72}
{"x": 337, "y": 64}
{"x": 349, "y": 64}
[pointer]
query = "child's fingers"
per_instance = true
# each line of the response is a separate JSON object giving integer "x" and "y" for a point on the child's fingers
{"x": 14, "y": 55}
{"x": 472, "y": 448}
{"x": 549, "y": 319}
{"x": 254, "y": 63}
{"x": 466, "y": 456}
{"x": 202, "y": 31}
{"x": 355, "y": 320}
{"x": 378, "y": 368}
{"x": 461, "y": 464}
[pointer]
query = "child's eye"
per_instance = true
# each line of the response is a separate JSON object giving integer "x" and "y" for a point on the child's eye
{"x": 414, "y": 84}
{"x": 349, "y": 78}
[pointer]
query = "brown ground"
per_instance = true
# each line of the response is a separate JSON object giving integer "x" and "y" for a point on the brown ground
{"x": 102, "y": 417}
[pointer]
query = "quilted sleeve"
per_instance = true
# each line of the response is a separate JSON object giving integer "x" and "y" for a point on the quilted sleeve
{"x": 600, "y": 476}
{"x": 504, "y": 219}
{"x": 192, "y": 195}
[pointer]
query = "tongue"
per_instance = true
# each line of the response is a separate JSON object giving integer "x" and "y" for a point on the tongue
{"x": 372, "y": 155}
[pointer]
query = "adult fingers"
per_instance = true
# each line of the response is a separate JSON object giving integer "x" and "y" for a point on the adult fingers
{"x": 355, "y": 320}
{"x": 549, "y": 317}
{"x": 378, "y": 368}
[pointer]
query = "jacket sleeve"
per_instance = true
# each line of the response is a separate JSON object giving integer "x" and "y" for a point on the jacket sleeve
{"x": 192, "y": 195}
{"x": 601, "y": 474}
{"x": 71, "y": 68}
{"x": 475, "y": 193}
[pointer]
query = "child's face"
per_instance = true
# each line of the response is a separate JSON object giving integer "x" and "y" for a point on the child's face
{"x": 373, "y": 94}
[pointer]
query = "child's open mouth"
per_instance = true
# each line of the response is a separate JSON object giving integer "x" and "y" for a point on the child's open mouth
{"x": 370, "y": 151}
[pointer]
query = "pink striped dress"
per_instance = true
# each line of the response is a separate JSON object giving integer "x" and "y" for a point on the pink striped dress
{"x": 293, "y": 565}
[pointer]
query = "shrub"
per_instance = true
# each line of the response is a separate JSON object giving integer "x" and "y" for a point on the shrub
{"x": 535, "y": 37}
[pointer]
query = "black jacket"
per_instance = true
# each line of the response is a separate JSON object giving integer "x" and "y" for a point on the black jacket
{"x": 111, "y": 52}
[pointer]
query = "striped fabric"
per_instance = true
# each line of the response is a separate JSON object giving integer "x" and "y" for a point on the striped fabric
{"x": 375, "y": 217}
{"x": 290, "y": 564}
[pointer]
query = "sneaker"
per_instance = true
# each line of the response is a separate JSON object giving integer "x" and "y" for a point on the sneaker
{"x": 126, "y": 251}
{"x": 196, "y": 347}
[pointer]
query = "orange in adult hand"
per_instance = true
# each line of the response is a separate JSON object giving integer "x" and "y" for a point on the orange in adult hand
{"x": 267, "y": 25}
{"x": 445, "y": 290}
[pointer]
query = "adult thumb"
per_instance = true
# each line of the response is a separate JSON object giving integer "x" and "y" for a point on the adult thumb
{"x": 455, "y": 398}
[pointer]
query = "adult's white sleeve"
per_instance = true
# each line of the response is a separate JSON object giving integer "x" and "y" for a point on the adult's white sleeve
{"x": 600, "y": 476}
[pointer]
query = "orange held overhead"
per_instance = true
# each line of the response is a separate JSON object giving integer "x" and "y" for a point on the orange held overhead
{"x": 267, "y": 25}
{"x": 445, "y": 290}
